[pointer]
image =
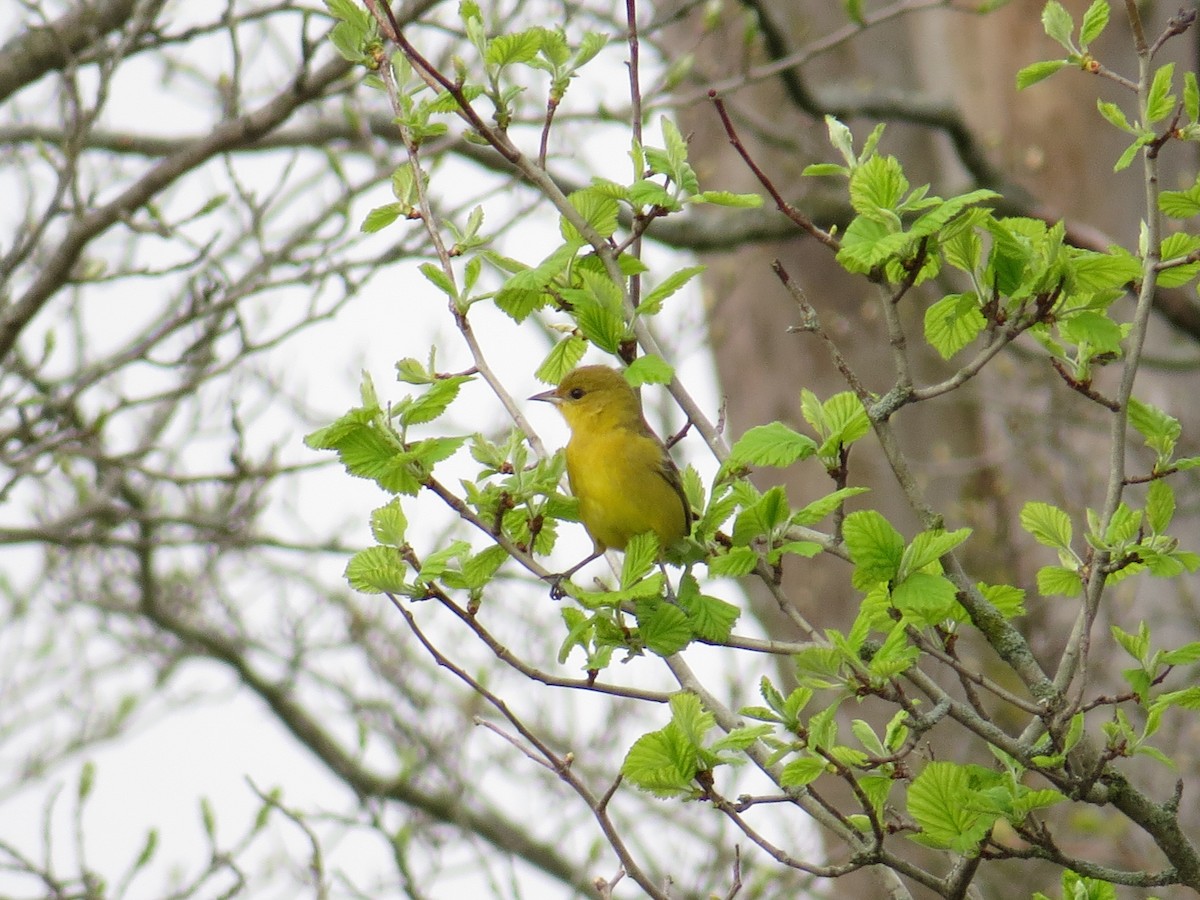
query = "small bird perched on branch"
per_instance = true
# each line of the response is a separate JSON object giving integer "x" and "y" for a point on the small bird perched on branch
{"x": 619, "y": 470}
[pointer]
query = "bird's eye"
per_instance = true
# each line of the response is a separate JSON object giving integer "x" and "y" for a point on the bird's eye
{"x": 576, "y": 393}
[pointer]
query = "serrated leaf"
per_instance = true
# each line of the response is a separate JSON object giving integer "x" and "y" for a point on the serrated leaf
{"x": 435, "y": 401}
{"x": 774, "y": 444}
{"x": 710, "y": 618}
{"x": 876, "y": 187}
{"x": 389, "y": 524}
{"x": 1009, "y": 600}
{"x": 652, "y": 303}
{"x": 1094, "y": 21}
{"x": 563, "y": 357}
{"x": 649, "y": 369}
{"x": 1160, "y": 102}
{"x": 506, "y": 49}
{"x": 597, "y": 309}
{"x": 380, "y": 217}
{"x": 953, "y": 322}
{"x": 822, "y": 169}
{"x": 1058, "y": 24}
{"x": 663, "y": 627}
{"x": 737, "y": 562}
{"x": 598, "y": 210}
{"x": 662, "y": 762}
{"x": 761, "y": 518}
{"x": 1038, "y": 71}
{"x": 438, "y": 278}
{"x": 1115, "y": 116}
{"x": 1058, "y": 581}
{"x": 802, "y": 771}
{"x": 1125, "y": 159}
{"x": 1048, "y": 524}
{"x": 876, "y": 547}
{"x": 729, "y": 199}
{"x": 924, "y": 598}
{"x": 741, "y": 738}
{"x": 940, "y": 801}
{"x": 640, "y": 555}
{"x": 377, "y": 570}
{"x": 931, "y": 545}
{"x": 1160, "y": 506}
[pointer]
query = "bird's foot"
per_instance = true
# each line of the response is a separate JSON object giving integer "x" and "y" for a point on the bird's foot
{"x": 557, "y": 582}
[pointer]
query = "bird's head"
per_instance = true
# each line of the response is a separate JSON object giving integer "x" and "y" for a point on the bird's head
{"x": 594, "y": 393}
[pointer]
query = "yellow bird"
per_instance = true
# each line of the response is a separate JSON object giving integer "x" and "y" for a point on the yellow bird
{"x": 619, "y": 470}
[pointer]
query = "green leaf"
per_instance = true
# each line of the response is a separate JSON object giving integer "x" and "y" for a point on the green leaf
{"x": 1160, "y": 506}
{"x": 1191, "y": 96}
{"x": 817, "y": 510}
{"x": 1174, "y": 247}
{"x": 802, "y": 771}
{"x": 929, "y": 546}
{"x": 597, "y": 309}
{"x": 506, "y": 49}
{"x": 1058, "y": 24}
{"x": 742, "y": 738}
{"x": 876, "y": 548}
{"x": 563, "y": 357}
{"x": 1009, "y": 600}
{"x": 597, "y": 209}
{"x": 953, "y": 322}
{"x": 663, "y": 627}
{"x": 924, "y": 598}
{"x": 1039, "y": 71}
{"x": 649, "y": 369}
{"x": 710, "y": 618}
{"x": 876, "y": 187}
{"x": 640, "y": 555}
{"x": 389, "y": 524}
{"x": 662, "y": 762}
{"x": 1058, "y": 581}
{"x": 1188, "y": 698}
{"x": 1094, "y": 329}
{"x": 526, "y": 289}
{"x": 737, "y": 562}
{"x": 653, "y": 301}
{"x": 845, "y": 421}
{"x": 762, "y": 518}
{"x": 438, "y": 563}
{"x": 940, "y": 800}
{"x": 480, "y": 568}
{"x": 1183, "y": 656}
{"x": 1160, "y": 430}
{"x": 729, "y": 199}
{"x": 1160, "y": 102}
{"x": 1048, "y": 524}
{"x": 1115, "y": 116}
{"x": 644, "y": 193}
{"x": 376, "y": 570}
{"x": 771, "y": 445}
{"x": 382, "y": 216}
{"x": 434, "y": 402}
{"x": 1181, "y": 204}
{"x": 439, "y": 279}
{"x": 1094, "y": 21}
{"x": 590, "y": 45}
{"x": 1126, "y": 158}
{"x": 821, "y": 169}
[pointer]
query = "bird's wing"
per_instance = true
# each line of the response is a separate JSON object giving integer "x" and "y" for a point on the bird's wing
{"x": 670, "y": 474}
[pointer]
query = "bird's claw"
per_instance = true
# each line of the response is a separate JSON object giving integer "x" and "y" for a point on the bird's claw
{"x": 557, "y": 591}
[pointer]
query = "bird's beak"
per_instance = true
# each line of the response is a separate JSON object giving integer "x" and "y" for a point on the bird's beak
{"x": 549, "y": 396}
